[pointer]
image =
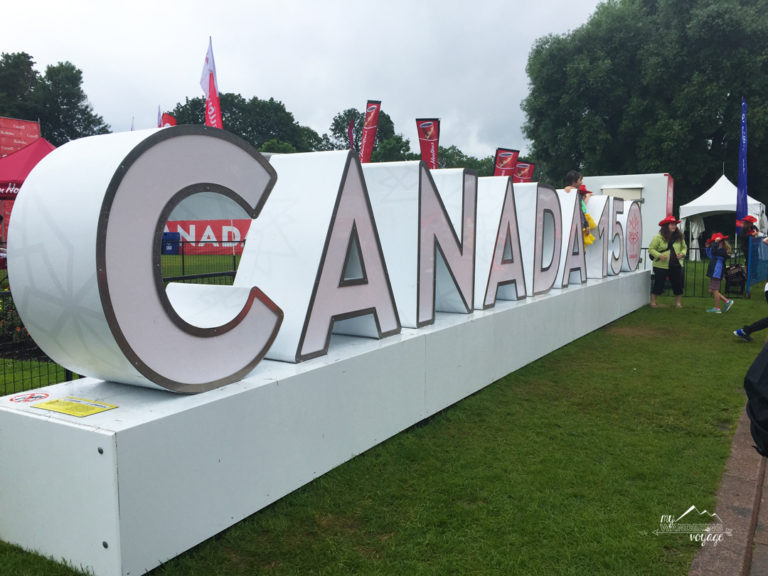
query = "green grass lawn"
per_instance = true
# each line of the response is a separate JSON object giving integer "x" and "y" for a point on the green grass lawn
{"x": 561, "y": 468}
{"x": 178, "y": 265}
{"x": 19, "y": 375}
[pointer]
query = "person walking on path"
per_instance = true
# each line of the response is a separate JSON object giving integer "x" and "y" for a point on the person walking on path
{"x": 667, "y": 250}
{"x": 717, "y": 252}
{"x": 745, "y": 333}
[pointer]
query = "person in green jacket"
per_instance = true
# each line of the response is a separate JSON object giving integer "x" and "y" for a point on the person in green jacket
{"x": 668, "y": 249}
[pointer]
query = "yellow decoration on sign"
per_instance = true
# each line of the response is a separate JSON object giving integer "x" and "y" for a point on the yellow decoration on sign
{"x": 79, "y": 407}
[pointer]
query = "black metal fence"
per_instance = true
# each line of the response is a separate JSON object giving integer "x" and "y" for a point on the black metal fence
{"x": 23, "y": 366}
{"x": 696, "y": 282}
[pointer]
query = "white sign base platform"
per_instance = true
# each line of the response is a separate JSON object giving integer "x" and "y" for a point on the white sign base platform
{"x": 121, "y": 491}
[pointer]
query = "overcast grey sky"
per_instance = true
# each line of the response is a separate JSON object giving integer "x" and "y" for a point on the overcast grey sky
{"x": 463, "y": 62}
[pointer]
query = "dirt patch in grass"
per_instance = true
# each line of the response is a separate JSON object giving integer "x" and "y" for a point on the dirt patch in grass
{"x": 637, "y": 331}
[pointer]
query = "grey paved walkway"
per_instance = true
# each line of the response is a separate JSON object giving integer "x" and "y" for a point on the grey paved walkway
{"x": 742, "y": 504}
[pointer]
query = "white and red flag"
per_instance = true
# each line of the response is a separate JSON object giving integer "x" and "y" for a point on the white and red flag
{"x": 210, "y": 86}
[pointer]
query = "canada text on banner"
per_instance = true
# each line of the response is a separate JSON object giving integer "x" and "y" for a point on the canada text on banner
{"x": 505, "y": 162}
{"x": 429, "y": 138}
{"x": 372, "y": 109}
{"x": 210, "y": 237}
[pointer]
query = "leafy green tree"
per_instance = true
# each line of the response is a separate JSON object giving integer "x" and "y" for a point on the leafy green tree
{"x": 18, "y": 81}
{"x": 393, "y": 149}
{"x": 652, "y": 86}
{"x": 452, "y": 157}
{"x": 65, "y": 113}
{"x": 340, "y": 124}
{"x": 257, "y": 121}
{"x": 277, "y": 147}
{"x": 56, "y": 99}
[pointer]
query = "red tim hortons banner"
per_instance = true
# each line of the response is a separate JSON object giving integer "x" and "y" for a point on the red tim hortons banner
{"x": 372, "y": 109}
{"x": 505, "y": 162}
{"x": 15, "y": 134}
{"x": 429, "y": 137}
{"x": 523, "y": 172}
{"x": 210, "y": 236}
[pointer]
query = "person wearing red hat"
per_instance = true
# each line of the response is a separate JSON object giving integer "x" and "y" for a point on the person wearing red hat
{"x": 748, "y": 228}
{"x": 717, "y": 252}
{"x": 667, "y": 250}
{"x": 587, "y": 222}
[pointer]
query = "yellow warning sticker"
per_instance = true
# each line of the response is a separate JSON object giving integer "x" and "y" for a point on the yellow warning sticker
{"x": 72, "y": 406}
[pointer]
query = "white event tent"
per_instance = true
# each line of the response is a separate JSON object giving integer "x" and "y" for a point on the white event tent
{"x": 719, "y": 199}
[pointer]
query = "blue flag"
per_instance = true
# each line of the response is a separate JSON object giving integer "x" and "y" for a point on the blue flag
{"x": 741, "y": 189}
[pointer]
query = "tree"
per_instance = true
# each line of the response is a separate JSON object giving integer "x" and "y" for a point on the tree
{"x": 652, "y": 86}
{"x": 340, "y": 125}
{"x": 277, "y": 147}
{"x": 452, "y": 157}
{"x": 393, "y": 149}
{"x": 257, "y": 121}
{"x": 65, "y": 113}
{"x": 18, "y": 81}
{"x": 56, "y": 99}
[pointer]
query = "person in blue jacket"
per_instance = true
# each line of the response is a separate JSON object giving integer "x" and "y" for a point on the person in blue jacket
{"x": 717, "y": 252}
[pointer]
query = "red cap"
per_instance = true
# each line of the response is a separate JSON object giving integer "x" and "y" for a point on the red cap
{"x": 749, "y": 218}
{"x": 669, "y": 220}
{"x": 716, "y": 237}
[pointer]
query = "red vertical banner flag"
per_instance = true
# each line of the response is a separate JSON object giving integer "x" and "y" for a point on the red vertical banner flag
{"x": 210, "y": 86}
{"x": 351, "y": 134}
{"x": 505, "y": 162}
{"x": 523, "y": 172}
{"x": 670, "y": 194}
{"x": 372, "y": 109}
{"x": 429, "y": 138}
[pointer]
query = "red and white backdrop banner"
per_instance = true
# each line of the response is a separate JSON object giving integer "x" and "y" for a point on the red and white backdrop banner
{"x": 523, "y": 172}
{"x": 210, "y": 236}
{"x": 429, "y": 138}
{"x": 505, "y": 162}
{"x": 372, "y": 109}
{"x": 15, "y": 134}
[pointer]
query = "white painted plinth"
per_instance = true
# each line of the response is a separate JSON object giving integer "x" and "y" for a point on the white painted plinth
{"x": 122, "y": 491}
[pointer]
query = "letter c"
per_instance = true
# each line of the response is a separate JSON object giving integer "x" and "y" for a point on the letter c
{"x": 104, "y": 229}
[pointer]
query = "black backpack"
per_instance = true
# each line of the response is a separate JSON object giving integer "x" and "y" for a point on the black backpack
{"x": 756, "y": 386}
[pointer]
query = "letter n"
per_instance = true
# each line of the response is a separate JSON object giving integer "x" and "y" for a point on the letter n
{"x": 446, "y": 268}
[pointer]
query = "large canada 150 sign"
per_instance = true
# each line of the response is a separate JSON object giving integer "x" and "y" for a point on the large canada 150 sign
{"x": 334, "y": 247}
